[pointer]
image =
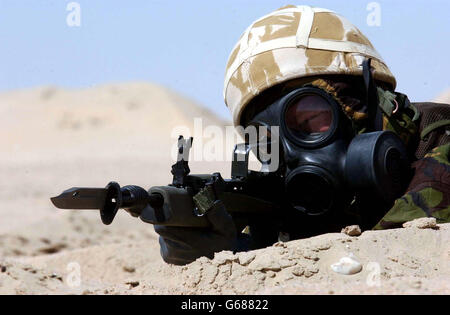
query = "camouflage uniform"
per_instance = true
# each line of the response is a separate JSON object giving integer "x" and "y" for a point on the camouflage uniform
{"x": 295, "y": 45}
{"x": 429, "y": 191}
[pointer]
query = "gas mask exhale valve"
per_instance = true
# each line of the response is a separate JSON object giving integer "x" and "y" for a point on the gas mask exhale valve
{"x": 324, "y": 164}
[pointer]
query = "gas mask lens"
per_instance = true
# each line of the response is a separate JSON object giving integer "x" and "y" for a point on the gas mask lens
{"x": 309, "y": 115}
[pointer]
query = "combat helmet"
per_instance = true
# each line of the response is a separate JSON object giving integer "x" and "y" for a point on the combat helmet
{"x": 296, "y": 42}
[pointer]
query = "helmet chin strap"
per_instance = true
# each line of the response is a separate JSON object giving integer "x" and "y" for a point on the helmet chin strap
{"x": 375, "y": 115}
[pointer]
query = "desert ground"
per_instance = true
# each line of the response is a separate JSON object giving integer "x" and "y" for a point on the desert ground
{"x": 53, "y": 139}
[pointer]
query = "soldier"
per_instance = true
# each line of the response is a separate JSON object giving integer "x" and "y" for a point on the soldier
{"x": 313, "y": 74}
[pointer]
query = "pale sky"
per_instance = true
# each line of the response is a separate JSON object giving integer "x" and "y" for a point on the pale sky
{"x": 185, "y": 44}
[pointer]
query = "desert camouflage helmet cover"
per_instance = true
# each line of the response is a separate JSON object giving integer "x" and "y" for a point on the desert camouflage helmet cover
{"x": 295, "y": 42}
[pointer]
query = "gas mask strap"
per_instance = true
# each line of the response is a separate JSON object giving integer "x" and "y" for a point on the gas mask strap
{"x": 375, "y": 115}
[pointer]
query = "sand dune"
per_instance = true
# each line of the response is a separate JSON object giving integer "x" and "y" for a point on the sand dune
{"x": 443, "y": 97}
{"x": 124, "y": 119}
{"x": 53, "y": 139}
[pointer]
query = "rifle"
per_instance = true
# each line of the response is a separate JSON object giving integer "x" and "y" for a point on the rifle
{"x": 248, "y": 196}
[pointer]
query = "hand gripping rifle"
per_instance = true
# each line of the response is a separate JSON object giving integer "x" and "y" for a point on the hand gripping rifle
{"x": 247, "y": 196}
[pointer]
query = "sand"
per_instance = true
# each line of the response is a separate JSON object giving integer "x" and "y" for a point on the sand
{"x": 53, "y": 139}
{"x": 443, "y": 97}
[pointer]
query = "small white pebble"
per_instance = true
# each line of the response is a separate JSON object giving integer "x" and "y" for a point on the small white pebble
{"x": 347, "y": 266}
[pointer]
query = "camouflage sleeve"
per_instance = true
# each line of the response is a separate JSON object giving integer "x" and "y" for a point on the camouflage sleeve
{"x": 428, "y": 194}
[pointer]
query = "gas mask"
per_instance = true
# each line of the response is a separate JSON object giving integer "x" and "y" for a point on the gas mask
{"x": 326, "y": 166}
